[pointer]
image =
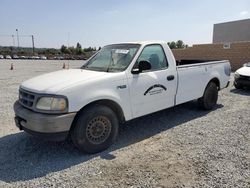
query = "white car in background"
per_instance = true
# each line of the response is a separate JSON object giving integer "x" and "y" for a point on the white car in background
{"x": 8, "y": 57}
{"x": 242, "y": 77}
{"x": 35, "y": 57}
{"x": 1, "y": 57}
{"x": 15, "y": 57}
{"x": 43, "y": 57}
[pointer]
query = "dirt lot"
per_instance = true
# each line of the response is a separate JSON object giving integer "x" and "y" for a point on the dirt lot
{"x": 177, "y": 147}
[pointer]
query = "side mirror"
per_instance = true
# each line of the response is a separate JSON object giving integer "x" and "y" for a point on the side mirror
{"x": 142, "y": 66}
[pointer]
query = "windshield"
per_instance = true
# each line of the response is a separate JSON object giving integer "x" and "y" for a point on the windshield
{"x": 112, "y": 58}
{"x": 247, "y": 65}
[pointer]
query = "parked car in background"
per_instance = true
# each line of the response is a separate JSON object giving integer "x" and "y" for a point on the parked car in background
{"x": 1, "y": 57}
{"x": 8, "y": 57}
{"x": 43, "y": 57}
{"x": 242, "y": 77}
{"x": 15, "y": 57}
{"x": 23, "y": 57}
{"x": 59, "y": 58}
{"x": 35, "y": 57}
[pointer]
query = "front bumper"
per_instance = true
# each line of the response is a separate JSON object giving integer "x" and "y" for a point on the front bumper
{"x": 45, "y": 125}
{"x": 242, "y": 82}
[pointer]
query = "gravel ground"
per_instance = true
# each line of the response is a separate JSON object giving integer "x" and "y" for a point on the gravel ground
{"x": 177, "y": 147}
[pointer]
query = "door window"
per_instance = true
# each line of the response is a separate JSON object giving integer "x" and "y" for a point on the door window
{"x": 155, "y": 55}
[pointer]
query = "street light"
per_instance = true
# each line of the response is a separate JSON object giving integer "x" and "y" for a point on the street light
{"x": 17, "y": 37}
{"x": 33, "y": 44}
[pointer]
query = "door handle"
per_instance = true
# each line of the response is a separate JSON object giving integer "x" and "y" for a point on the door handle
{"x": 171, "y": 77}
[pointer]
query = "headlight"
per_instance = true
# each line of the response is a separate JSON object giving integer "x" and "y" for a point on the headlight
{"x": 52, "y": 104}
{"x": 236, "y": 75}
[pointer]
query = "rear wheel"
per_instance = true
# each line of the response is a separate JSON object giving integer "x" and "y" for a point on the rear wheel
{"x": 210, "y": 97}
{"x": 95, "y": 129}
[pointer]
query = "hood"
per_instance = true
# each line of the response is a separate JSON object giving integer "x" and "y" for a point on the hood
{"x": 55, "y": 81}
{"x": 244, "y": 71}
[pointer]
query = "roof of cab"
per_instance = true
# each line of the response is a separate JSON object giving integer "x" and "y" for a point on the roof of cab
{"x": 143, "y": 42}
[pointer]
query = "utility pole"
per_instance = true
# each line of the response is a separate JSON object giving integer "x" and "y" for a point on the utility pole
{"x": 68, "y": 38}
{"x": 13, "y": 37}
{"x": 33, "y": 44}
{"x": 17, "y": 38}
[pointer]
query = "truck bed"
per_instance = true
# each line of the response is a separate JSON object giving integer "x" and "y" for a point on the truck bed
{"x": 192, "y": 75}
{"x": 192, "y": 62}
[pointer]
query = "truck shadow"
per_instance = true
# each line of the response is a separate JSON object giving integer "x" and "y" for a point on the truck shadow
{"x": 245, "y": 91}
{"x": 23, "y": 157}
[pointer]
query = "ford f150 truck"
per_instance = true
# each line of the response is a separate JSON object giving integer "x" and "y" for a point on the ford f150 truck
{"x": 119, "y": 83}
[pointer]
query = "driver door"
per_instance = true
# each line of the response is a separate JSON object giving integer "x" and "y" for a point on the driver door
{"x": 150, "y": 90}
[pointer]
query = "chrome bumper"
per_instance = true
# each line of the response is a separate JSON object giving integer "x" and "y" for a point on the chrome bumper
{"x": 42, "y": 123}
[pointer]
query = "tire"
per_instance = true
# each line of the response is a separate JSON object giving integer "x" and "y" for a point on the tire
{"x": 95, "y": 129}
{"x": 210, "y": 97}
{"x": 238, "y": 86}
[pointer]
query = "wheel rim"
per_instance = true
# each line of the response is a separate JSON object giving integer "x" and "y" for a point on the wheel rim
{"x": 98, "y": 130}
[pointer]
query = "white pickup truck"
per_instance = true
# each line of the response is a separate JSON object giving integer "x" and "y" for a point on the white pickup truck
{"x": 119, "y": 83}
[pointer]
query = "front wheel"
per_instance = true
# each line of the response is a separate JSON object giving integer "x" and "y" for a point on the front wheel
{"x": 95, "y": 129}
{"x": 210, "y": 97}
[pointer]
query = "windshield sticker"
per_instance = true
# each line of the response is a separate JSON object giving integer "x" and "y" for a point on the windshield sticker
{"x": 121, "y": 51}
{"x": 155, "y": 89}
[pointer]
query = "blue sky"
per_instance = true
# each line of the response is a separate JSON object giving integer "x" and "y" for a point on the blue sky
{"x": 100, "y": 22}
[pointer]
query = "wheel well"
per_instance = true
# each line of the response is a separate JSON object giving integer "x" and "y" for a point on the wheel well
{"x": 109, "y": 103}
{"x": 216, "y": 81}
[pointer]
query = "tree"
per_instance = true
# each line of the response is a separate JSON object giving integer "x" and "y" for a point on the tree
{"x": 89, "y": 49}
{"x": 78, "y": 49}
{"x": 99, "y": 48}
{"x": 72, "y": 50}
{"x": 78, "y": 45}
{"x": 180, "y": 44}
{"x": 172, "y": 45}
{"x": 51, "y": 51}
{"x": 177, "y": 45}
{"x": 63, "y": 49}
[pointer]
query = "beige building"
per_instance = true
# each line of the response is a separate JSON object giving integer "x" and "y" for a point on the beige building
{"x": 238, "y": 53}
{"x": 235, "y": 31}
{"x": 231, "y": 41}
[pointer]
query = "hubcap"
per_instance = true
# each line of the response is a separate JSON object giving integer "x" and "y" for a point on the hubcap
{"x": 98, "y": 130}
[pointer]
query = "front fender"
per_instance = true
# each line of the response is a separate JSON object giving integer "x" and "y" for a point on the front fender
{"x": 80, "y": 98}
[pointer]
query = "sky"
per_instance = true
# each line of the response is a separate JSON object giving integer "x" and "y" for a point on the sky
{"x": 99, "y": 22}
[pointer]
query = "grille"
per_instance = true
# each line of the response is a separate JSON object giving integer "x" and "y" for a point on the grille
{"x": 26, "y": 98}
{"x": 244, "y": 77}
